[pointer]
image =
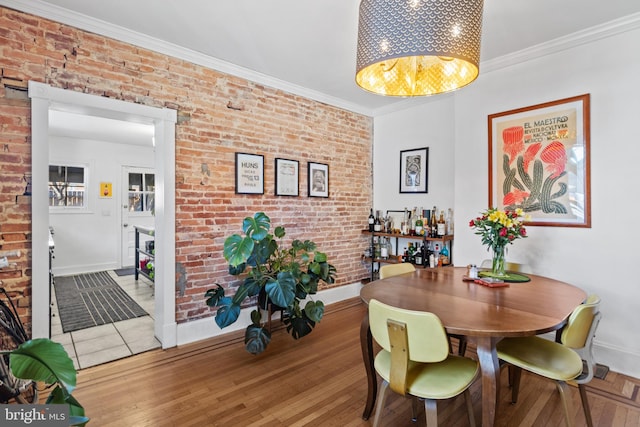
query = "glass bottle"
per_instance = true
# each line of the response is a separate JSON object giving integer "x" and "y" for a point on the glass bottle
{"x": 384, "y": 249}
{"x": 441, "y": 226}
{"x": 377, "y": 225}
{"x": 371, "y": 220}
{"x": 444, "y": 255}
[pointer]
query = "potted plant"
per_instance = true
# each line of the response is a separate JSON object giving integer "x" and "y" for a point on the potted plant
{"x": 285, "y": 276}
{"x": 46, "y": 361}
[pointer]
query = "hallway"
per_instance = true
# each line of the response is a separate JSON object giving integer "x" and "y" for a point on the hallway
{"x": 112, "y": 341}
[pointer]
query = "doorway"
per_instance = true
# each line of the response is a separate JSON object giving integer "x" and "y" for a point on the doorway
{"x": 44, "y": 101}
{"x": 138, "y": 208}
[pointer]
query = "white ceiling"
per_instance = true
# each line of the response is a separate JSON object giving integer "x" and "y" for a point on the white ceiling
{"x": 308, "y": 47}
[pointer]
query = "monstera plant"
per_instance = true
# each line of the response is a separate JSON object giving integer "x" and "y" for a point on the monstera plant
{"x": 284, "y": 276}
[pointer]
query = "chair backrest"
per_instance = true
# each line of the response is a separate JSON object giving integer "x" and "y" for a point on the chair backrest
{"x": 427, "y": 339}
{"x": 582, "y": 324}
{"x": 510, "y": 266}
{"x": 389, "y": 270}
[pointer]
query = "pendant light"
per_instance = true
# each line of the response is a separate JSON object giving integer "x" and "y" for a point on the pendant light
{"x": 418, "y": 47}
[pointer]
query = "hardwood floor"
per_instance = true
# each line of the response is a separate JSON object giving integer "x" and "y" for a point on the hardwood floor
{"x": 316, "y": 381}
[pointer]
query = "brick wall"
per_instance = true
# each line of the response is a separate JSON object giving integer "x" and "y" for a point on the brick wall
{"x": 218, "y": 115}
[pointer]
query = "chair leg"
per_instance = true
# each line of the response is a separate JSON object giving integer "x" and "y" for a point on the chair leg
{"x": 516, "y": 373}
{"x": 467, "y": 397}
{"x": 414, "y": 408}
{"x": 462, "y": 346}
{"x": 563, "y": 389}
{"x": 585, "y": 404}
{"x": 431, "y": 410}
{"x": 382, "y": 396}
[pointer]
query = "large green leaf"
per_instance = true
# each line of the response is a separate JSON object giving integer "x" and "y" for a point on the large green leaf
{"x": 214, "y": 295}
{"x": 227, "y": 312}
{"x": 76, "y": 411}
{"x": 298, "y": 327}
{"x": 44, "y": 360}
{"x": 257, "y": 227}
{"x": 282, "y": 291}
{"x": 314, "y": 310}
{"x": 262, "y": 251}
{"x": 256, "y": 339}
{"x": 279, "y": 232}
{"x": 248, "y": 288}
{"x": 237, "y": 249}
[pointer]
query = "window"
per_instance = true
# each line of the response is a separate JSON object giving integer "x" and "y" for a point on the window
{"x": 67, "y": 186}
{"x": 141, "y": 192}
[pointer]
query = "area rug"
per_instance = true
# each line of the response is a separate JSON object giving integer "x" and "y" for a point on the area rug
{"x": 92, "y": 299}
{"x": 127, "y": 271}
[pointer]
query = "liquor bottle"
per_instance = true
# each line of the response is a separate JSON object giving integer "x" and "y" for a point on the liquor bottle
{"x": 444, "y": 255}
{"x": 384, "y": 249}
{"x": 442, "y": 225}
{"x": 418, "y": 256}
{"x": 419, "y": 226}
{"x": 405, "y": 255}
{"x": 377, "y": 225}
{"x": 371, "y": 220}
{"x": 434, "y": 222}
{"x": 411, "y": 252}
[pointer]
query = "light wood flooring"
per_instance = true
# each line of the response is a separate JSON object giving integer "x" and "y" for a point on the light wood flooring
{"x": 316, "y": 381}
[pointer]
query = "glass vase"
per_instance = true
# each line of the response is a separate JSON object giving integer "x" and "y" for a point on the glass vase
{"x": 497, "y": 266}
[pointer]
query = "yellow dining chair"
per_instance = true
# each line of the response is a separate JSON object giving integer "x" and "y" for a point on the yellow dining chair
{"x": 415, "y": 360}
{"x": 509, "y": 266}
{"x": 560, "y": 361}
{"x": 389, "y": 270}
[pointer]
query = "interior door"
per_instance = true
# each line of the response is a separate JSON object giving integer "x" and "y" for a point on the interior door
{"x": 138, "y": 208}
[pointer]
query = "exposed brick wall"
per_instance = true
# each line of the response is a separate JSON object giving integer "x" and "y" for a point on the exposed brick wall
{"x": 219, "y": 115}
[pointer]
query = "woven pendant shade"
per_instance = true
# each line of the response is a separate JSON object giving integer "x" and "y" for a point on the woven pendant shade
{"x": 418, "y": 47}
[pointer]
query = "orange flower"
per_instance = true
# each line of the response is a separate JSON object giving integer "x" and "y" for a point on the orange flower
{"x": 513, "y": 143}
{"x": 555, "y": 156}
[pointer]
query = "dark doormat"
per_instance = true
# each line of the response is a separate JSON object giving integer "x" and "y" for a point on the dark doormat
{"x": 127, "y": 271}
{"x": 92, "y": 299}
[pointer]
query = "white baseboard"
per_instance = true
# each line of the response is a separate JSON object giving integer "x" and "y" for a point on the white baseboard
{"x": 201, "y": 329}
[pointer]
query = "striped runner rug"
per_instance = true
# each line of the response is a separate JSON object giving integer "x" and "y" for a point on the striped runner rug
{"x": 92, "y": 299}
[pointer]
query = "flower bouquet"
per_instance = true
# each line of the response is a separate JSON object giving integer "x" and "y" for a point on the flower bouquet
{"x": 497, "y": 229}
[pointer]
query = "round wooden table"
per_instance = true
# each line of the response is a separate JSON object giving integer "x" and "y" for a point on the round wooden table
{"x": 485, "y": 315}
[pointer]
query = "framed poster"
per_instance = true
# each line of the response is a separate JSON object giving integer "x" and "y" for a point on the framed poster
{"x": 287, "y": 177}
{"x": 249, "y": 173}
{"x": 318, "y": 180}
{"x": 414, "y": 166}
{"x": 539, "y": 162}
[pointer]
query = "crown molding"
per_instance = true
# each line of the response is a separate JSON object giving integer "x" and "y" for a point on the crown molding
{"x": 589, "y": 35}
{"x": 64, "y": 16}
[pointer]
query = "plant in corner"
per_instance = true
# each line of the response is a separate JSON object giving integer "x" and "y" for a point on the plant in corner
{"x": 285, "y": 276}
{"x": 43, "y": 360}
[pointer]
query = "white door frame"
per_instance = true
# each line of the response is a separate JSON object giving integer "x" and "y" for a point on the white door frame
{"x": 45, "y": 98}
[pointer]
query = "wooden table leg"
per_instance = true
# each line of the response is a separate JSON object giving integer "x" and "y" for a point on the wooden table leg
{"x": 490, "y": 367}
{"x": 366, "y": 344}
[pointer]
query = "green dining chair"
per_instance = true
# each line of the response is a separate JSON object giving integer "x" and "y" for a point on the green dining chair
{"x": 415, "y": 360}
{"x": 390, "y": 270}
{"x": 560, "y": 361}
{"x": 514, "y": 267}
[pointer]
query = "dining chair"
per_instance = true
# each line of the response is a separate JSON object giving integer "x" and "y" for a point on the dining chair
{"x": 390, "y": 270}
{"x": 415, "y": 360}
{"x": 560, "y": 361}
{"x": 514, "y": 267}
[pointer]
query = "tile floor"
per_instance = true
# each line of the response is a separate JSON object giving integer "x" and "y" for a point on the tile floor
{"x": 104, "y": 343}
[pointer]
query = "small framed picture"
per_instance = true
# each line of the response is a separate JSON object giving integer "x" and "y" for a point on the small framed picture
{"x": 414, "y": 174}
{"x": 249, "y": 173}
{"x": 318, "y": 179}
{"x": 287, "y": 177}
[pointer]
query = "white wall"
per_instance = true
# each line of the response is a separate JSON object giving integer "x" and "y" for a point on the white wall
{"x": 601, "y": 259}
{"x": 89, "y": 240}
{"x": 429, "y": 125}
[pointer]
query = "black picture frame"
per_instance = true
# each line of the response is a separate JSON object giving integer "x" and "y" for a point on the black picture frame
{"x": 414, "y": 170}
{"x": 287, "y": 177}
{"x": 249, "y": 173}
{"x": 318, "y": 179}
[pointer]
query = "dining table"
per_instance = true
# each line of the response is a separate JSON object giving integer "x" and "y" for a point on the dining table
{"x": 483, "y": 314}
